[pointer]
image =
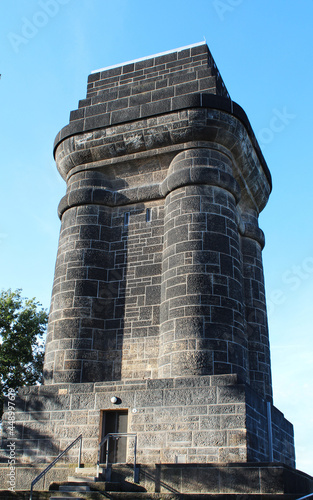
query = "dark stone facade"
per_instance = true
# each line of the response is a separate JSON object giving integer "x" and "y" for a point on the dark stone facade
{"x": 204, "y": 419}
{"x": 181, "y": 293}
{"x": 158, "y": 297}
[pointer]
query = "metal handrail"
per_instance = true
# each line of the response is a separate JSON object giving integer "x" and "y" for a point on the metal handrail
{"x": 116, "y": 435}
{"x": 44, "y": 472}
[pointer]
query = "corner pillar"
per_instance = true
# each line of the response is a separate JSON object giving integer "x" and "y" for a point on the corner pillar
{"x": 78, "y": 347}
{"x": 202, "y": 323}
{"x": 252, "y": 243}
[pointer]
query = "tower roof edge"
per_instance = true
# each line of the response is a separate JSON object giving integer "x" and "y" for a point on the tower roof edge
{"x": 179, "y": 49}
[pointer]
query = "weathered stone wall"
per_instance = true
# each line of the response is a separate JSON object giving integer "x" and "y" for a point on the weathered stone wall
{"x": 197, "y": 419}
{"x": 256, "y": 326}
{"x": 202, "y": 328}
{"x": 144, "y": 88}
{"x": 104, "y": 315}
{"x": 282, "y": 436}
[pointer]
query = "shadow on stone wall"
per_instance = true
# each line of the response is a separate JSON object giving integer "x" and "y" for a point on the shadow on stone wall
{"x": 31, "y": 437}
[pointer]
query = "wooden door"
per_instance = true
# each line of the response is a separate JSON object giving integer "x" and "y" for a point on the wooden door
{"x": 115, "y": 421}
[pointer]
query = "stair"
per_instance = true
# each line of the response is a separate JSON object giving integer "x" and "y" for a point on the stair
{"x": 67, "y": 498}
{"x": 42, "y": 495}
{"x": 122, "y": 495}
{"x": 70, "y": 489}
{"x": 165, "y": 482}
{"x": 121, "y": 488}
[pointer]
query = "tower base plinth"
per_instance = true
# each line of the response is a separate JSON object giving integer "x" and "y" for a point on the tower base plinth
{"x": 196, "y": 420}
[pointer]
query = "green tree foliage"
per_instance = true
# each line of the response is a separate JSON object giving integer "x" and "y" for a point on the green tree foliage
{"x": 22, "y": 326}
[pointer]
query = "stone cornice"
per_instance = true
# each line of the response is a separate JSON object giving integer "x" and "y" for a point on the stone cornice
{"x": 180, "y": 103}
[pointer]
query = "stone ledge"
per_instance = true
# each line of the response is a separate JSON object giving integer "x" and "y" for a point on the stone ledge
{"x": 109, "y": 150}
{"x": 196, "y": 101}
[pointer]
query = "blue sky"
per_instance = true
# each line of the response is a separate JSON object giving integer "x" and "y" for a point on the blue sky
{"x": 263, "y": 49}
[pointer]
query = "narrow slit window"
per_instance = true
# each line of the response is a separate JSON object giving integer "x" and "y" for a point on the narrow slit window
{"x": 148, "y": 215}
{"x": 126, "y": 218}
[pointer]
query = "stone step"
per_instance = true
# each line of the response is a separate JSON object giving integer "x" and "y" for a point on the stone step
{"x": 68, "y": 498}
{"x": 72, "y": 496}
{"x": 85, "y": 474}
{"x": 181, "y": 496}
{"x": 76, "y": 487}
{"x": 45, "y": 495}
{"x": 121, "y": 486}
{"x": 87, "y": 471}
{"x": 81, "y": 479}
{"x": 197, "y": 496}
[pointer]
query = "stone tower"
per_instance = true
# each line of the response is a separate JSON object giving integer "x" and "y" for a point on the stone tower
{"x": 159, "y": 271}
{"x": 158, "y": 321}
